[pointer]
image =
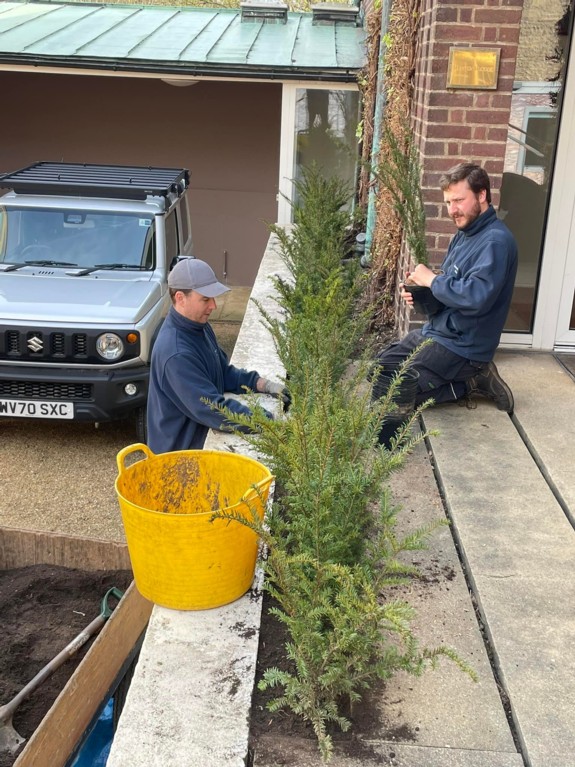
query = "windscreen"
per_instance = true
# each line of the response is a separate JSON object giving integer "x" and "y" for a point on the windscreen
{"x": 76, "y": 238}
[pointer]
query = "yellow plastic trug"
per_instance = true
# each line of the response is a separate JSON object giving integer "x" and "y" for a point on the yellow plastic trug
{"x": 180, "y": 558}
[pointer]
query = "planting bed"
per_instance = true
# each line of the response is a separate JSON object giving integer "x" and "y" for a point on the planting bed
{"x": 42, "y": 609}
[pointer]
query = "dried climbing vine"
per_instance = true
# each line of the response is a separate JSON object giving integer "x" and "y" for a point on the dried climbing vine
{"x": 400, "y": 51}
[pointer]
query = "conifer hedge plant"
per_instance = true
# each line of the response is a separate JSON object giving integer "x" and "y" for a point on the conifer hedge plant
{"x": 333, "y": 554}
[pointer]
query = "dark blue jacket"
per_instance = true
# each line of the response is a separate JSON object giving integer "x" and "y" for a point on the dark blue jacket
{"x": 187, "y": 366}
{"x": 476, "y": 288}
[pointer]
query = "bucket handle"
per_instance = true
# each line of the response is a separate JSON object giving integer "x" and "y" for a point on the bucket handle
{"x": 257, "y": 488}
{"x": 126, "y": 451}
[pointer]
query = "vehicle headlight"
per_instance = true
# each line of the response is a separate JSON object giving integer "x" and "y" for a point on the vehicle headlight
{"x": 110, "y": 346}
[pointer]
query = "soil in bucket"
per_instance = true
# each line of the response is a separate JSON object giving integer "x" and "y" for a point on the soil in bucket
{"x": 404, "y": 399}
{"x": 182, "y": 557}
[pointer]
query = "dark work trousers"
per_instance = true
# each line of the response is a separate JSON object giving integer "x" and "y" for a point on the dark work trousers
{"x": 442, "y": 373}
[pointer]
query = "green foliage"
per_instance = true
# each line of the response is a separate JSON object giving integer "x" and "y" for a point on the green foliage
{"x": 333, "y": 553}
{"x": 399, "y": 170}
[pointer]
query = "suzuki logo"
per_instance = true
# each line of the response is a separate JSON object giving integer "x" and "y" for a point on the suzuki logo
{"x": 35, "y": 344}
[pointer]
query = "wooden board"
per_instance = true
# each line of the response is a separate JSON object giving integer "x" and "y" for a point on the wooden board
{"x": 20, "y": 548}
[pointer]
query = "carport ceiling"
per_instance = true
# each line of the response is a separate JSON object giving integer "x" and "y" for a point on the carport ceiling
{"x": 183, "y": 41}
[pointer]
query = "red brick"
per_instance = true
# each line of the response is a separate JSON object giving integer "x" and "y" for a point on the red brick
{"x": 431, "y": 177}
{"x": 493, "y": 116}
{"x": 449, "y": 131}
{"x": 443, "y": 225}
{"x": 505, "y": 85}
{"x": 508, "y": 34}
{"x": 431, "y": 210}
{"x": 480, "y": 133}
{"x": 457, "y": 116}
{"x": 433, "y": 193}
{"x": 501, "y": 100}
{"x": 507, "y": 67}
{"x": 497, "y": 16}
{"x": 451, "y": 99}
{"x": 443, "y": 242}
{"x": 435, "y": 148}
{"x": 482, "y": 149}
{"x": 483, "y": 100}
{"x": 446, "y": 13}
{"x": 441, "y": 50}
{"x": 437, "y": 115}
{"x": 497, "y": 134}
{"x": 466, "y": 15}
{"x": 458, "y": 33}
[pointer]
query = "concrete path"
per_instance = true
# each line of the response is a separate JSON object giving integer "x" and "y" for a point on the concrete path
{"x": 518, "y": 543}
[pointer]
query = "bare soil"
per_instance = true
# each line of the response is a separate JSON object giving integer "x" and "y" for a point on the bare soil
{"x": 285, "y": 727}
{"x": 42, "y": 608}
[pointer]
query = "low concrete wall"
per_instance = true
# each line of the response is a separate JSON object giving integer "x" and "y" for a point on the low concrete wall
{"x": 189, "y": 701}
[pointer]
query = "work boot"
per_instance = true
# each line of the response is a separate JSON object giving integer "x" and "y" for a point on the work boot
{"x": 488, "y": 383}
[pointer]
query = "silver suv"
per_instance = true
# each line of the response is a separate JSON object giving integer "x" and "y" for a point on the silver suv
{"x": 85, "y": 252}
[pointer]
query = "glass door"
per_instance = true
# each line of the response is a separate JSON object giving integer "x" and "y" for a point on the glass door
{"x": 554, "y": 326}
{"x": 533, "y": 172}
{"x": 319, "y": 125}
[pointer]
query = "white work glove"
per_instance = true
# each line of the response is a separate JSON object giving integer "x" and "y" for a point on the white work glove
{"x": 278, "y": 391}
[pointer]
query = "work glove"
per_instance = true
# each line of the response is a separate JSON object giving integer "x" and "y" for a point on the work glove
{"x": 278, "y": 391}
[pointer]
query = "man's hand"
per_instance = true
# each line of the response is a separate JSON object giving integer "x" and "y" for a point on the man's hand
{"x": 422, "y": 275}
{"x": 405, "y": 294}
{"x": 275, "y": 389}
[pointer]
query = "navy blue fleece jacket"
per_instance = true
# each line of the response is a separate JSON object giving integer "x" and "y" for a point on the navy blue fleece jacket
{"x": 188, "y": 366}
{"x": 476, "y": 288}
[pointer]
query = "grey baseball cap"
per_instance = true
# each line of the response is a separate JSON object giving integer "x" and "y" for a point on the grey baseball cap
{"x": 193, "y": 274}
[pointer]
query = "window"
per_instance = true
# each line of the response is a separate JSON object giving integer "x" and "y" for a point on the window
{"x": 325, "y": 132}
{"x": 172, "y": 246}
{"x": 76, "y": 237}
{"x": 540, "y": 128}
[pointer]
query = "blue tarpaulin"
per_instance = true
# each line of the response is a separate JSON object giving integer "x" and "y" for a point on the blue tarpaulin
{"x": 96, "y": 748}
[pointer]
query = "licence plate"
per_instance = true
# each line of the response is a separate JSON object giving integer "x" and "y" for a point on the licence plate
{"x": 21, "y": 408}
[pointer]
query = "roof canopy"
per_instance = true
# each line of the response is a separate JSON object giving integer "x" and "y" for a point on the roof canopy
{"x": 186, "y": 41}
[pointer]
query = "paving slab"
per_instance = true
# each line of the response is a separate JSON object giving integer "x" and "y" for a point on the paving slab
{"x": 519, "y": 548}
{"x": 370, "y": 753}
{"x": 544, "y": 407}
{"x": 443, "y": 708}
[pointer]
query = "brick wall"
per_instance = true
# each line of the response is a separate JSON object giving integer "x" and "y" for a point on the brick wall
{"x": 454, "y": 125}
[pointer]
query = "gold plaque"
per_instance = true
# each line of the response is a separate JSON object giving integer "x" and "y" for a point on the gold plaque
{"x": 473, "y": 68}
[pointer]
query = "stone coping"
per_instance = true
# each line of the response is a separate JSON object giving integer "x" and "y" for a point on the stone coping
{"x": 190, "y": 697}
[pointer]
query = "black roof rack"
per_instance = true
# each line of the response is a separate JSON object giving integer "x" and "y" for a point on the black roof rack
{"x": 86, "y": 180}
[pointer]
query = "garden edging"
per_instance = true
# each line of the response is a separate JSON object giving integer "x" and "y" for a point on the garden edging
{"x": 190, "y": 697}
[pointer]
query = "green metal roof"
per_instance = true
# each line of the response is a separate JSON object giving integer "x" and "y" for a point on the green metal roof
{"x": 191, "y": 41}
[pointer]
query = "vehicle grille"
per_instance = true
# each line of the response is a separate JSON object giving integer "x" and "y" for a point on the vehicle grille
{"x": 45, "y": 390}
{"x": 37, "y": 345}
{"x": 60, "y": 346}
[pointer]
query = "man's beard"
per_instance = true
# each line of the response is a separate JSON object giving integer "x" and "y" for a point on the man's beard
{"x": 462, "y": 222}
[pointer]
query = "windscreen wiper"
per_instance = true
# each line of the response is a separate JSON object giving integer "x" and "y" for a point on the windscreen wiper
{"x": 99, "y": 267}
{"x": 49, "y": 263}
{"x": 4, "y": 267}
{"x": 139, "y": 267}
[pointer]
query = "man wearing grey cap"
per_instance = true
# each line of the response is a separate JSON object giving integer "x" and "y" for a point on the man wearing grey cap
{"x": 188, "y": 367}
